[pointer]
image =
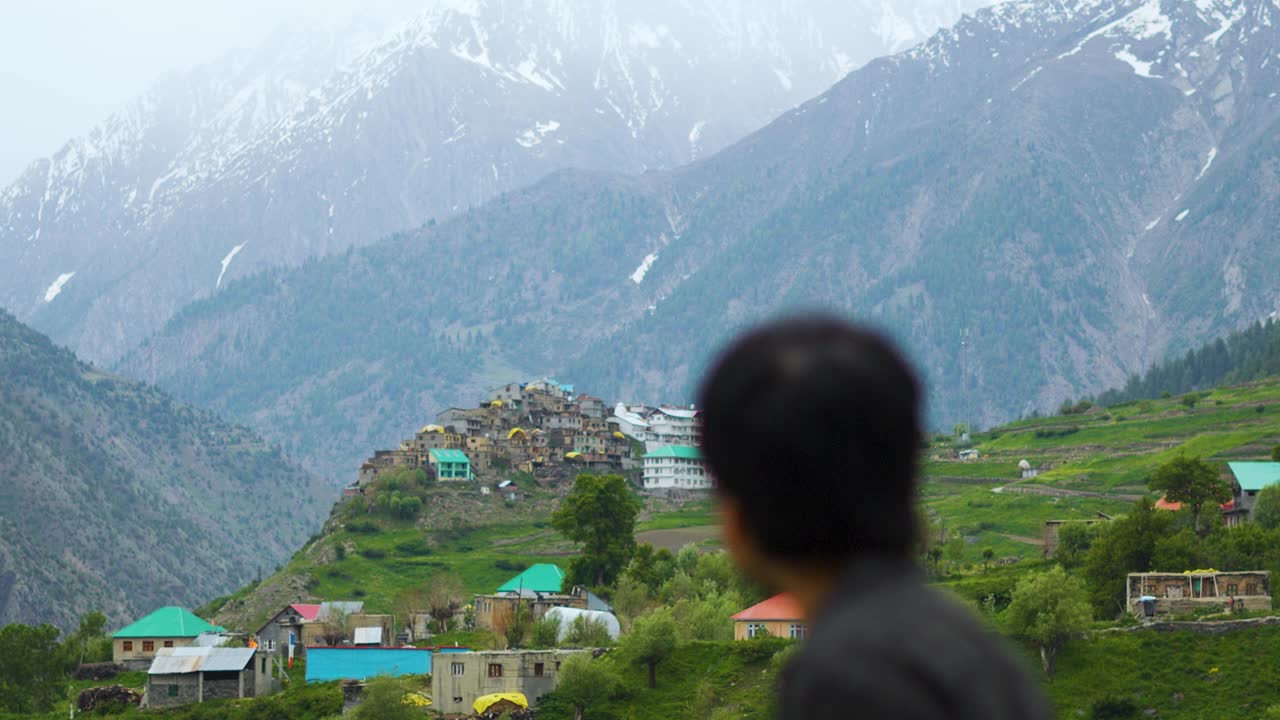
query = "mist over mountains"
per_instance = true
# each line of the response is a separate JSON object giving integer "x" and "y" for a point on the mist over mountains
{"x": 1038, "y": 202}
{"x": 318, "y": 143}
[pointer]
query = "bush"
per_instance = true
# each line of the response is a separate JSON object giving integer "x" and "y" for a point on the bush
{"x": 373, "y": 553}
{"x": 760, "y": 648}
{"x": 510, "y": 565}
{"x": 1113, "y": 708}
{"x": 1057, "y": 432}
{"x": 416, "y": 547}
{"x": 364, "y": 527}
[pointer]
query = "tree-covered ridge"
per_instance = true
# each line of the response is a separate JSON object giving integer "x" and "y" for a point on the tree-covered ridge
{"x": 116, "y": 496}
{"x": 1244, "y": 356}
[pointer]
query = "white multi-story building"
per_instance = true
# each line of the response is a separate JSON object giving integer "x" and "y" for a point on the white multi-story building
{"x": 673, "y": 426}
{"x": 675, "y": 467}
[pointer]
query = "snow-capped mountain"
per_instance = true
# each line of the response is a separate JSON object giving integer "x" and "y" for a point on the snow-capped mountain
{"x": 1038, "y": 201}
{"x": 293, "y": 154}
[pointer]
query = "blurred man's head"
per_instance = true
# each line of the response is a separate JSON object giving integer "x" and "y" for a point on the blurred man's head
{"x": 811, "y": 428}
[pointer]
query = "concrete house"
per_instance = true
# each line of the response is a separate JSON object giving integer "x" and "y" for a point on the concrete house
{"x": 183, "y": 675}
{"x": 451, "y": 465}
{"x": 1154, "y": 594}
{"x": 459, "y": 679}
{"x": 134, "y": 646}
{"x": 675, "y": 467}
{"x": 779, "y": 616}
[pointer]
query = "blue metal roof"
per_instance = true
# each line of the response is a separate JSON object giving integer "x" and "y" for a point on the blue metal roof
{"x": 357, "y": 663}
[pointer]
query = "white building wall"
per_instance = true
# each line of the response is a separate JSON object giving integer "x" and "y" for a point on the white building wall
{"x": 668, "y": 473}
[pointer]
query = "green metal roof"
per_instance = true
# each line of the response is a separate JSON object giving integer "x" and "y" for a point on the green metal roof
{"x": 449, "y": 455}
{"x": 1255, "y": 475}
{"x": 543, "y": 578}
{"x": 676, "y": 451}
{"x": 167, "y": 622}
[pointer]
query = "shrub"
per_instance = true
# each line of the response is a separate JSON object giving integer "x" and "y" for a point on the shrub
{"x": 364, "y": 527}
{"x": 416, "y": 547}
{"x": 1113, "y": 708}
{"x": 373, "y": 553}
{"x": 510, "y": 565}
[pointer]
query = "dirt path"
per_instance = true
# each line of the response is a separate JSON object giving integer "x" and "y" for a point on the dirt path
{"x": 1023, "y": 539}
{"x": 1063, "y": 492}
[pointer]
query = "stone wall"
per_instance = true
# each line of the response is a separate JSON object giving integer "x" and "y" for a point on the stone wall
{"x": 172, "y": 690}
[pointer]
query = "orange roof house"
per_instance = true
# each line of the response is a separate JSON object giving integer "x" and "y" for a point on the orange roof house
{"x": 779, "y": 616}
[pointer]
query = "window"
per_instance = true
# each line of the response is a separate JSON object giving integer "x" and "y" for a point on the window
{"x": 1231, "y": 589}
{"x": 1251, "y": 588}
{"x": 173, "y": 691}
{"x": 797, "y": 631}
{"x": 148, "y": 646}
{"x": 264, "y": 665}
{"x": 128, "y": 646}
{"x": 457, "y": 669}
{"x": 495, "y": 670}
{"x": 168, "y": 643}
{"x": 538, "y": 669}
{"x": 754, "y": 629}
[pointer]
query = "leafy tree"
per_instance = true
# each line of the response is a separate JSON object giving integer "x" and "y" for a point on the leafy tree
{"x": 546, "y": 633}
{"x": 1046, "y": 610}
{"x": 652, "y": 640}
{"x": 585, "y": 684}
{"x": 384, "y": 700}
{"x": 89, "y": 641}
{"x": 600, "y": 515}
{"x": 935, "y": 557}
{"x": 1275, "y": 451}
{"x": 335, "y": 627}
{"x": 1266, "y": 511}
{"x": 1074, "y": 541}
{"x": 630, "y": 598}
{"x": 587, "y": 632}
{"x": 407, "y": 604}
{"x": 31, "y": 668}
{"x": 987, "y": 554}
{"x": 1123, "y": 546}
{"x": 1192, "y": 481}
{"x": 1180, "y": 551}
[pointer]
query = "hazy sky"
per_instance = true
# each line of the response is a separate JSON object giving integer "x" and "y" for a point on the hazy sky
{"x": 67, "y": 64}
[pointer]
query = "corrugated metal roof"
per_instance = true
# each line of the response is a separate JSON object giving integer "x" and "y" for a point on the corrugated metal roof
{"x": 179, "y": 661}
{"x": 1255, "y": 475}
{"x": 368, "y": 636}
{"x": 166, "y": 622}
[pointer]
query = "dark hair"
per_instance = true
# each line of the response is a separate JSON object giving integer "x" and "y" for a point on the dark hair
{"x": 812, "y": 426}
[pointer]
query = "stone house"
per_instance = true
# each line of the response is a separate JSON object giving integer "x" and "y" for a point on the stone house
{"x": 459, "y": 679}
{"x": 134, "y": 646}
{"x": 183, "y": 675}
{"x": 1180, "y": 593}
{"x": 779, "y": 616}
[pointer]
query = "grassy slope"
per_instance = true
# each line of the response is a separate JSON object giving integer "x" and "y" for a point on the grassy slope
{"x": 1111, "y": 453}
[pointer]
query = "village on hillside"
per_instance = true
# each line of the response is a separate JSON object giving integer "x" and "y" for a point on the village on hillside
{"x": 542, "y": 428}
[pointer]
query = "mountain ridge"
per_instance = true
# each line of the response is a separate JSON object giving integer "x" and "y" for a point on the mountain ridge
{"x": 117, "y": 498}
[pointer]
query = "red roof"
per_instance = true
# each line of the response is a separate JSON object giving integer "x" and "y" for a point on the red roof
{"x": 308, "y": 612}
{"x": 779, "y": 607}
{"x": 1164, "y": 504}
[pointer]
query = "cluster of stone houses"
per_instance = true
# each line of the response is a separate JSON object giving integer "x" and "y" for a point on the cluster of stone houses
{"x": 543, "y": 428}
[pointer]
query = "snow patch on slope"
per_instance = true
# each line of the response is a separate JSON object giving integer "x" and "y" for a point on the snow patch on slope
{"x": 1141, "y": 68}
{"x": 637, "y": 277}
{"x": 227, "y": 261}
{"x": 56, "y": 287}
{"x": 534, "y": 135}
{"x": 1213, "y": 154}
